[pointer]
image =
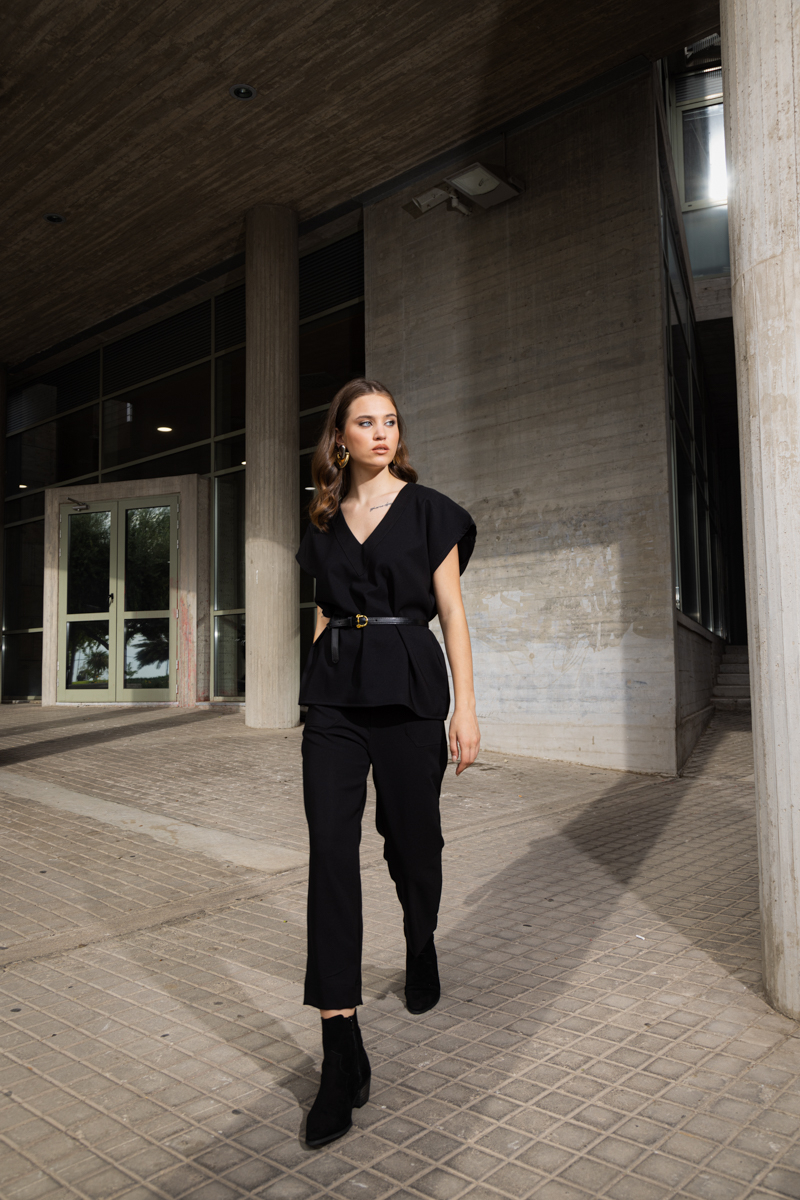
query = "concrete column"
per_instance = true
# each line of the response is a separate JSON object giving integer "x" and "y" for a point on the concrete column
{"x": 761, "y": 47}
{"x": 272, "y": 488}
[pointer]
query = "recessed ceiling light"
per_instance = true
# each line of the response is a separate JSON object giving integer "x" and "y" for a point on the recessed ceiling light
{"x": 23, "y": 485}
{"x": 54, "y": 218}
{"x": 242, "y": 91}
{"x": 165, "y": 429}
{"x": 310, "y": 489}
{"x": 244, "y": 462}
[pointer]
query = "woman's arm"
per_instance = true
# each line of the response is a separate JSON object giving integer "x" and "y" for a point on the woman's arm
{"x": 464, "y": 732}
{"x": 322, "y": 623}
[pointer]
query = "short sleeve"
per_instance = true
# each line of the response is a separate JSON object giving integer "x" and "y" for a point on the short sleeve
{"x": 307, "y": 555}
{"x": 449, "y": 525}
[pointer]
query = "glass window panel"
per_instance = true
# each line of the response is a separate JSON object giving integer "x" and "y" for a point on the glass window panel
{"x": 46, "y": 454}
{"x": 229, "y": 662}
{"x": 707, "y": 240}
{"x": 147, "y": 652}
{"x": 230, "y": 452}
{"x": 229, "y": 557}
{"x": 181, "y": 339}
{"x": 158, "y": 417}
{"x": 22, "y": 666}
{"x": 147, "y": 551}
{"x": 687, "y": 536}
{"x": 88, "y": 563}
{"x": 73, "y": 384}
{"x": 187, "y": 462}
{"x": 311, "y": 430}
{"x": 27, "y": 506}
{"x": 229, "y": 318}
{"x": 331, "y": 353}
{"x": 24, "y": 547}
{"x": 705, "y": 175}
{"x": 229, "y": 392}
{"x": 87, "y": 654}
{"x": 704, "y": 560}
{"x": 676, "y": 279}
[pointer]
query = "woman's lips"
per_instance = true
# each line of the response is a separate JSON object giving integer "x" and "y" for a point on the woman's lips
{"x": 379, "y": 449}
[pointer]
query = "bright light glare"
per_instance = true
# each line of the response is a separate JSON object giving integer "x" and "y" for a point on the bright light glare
{"x": 717, "y": 167}
{"x": 23, "y": 485}
{"x": 164, "y": 429}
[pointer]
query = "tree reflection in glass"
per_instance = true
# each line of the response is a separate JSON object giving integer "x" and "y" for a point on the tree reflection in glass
{"x": 147, "y": 652}
{"x": 147, "y": 559}
{"x": 88, "y": 562}
{"x": 87, "y": 651}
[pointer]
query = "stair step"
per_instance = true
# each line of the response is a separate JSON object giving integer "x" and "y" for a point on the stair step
{"x": 729, "y": 704}
{"x": 729, "y": 677}
{"x": 735, "y": 654}
{"x": 737, "y": 692}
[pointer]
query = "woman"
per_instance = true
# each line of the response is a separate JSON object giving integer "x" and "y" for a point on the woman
{"x": 386, "y": 554}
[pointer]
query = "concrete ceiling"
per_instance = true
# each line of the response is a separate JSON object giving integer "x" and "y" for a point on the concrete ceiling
{"x": 117, "y": 115}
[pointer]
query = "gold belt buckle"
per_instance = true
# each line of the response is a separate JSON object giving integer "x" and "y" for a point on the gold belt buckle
{"x": 361, "y": 621}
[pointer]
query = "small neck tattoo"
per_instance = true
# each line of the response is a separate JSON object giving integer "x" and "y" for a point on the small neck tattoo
{"x": 377, "y": 506}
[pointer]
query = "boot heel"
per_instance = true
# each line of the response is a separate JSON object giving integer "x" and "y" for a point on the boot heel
{"x": 362, "y": 1097}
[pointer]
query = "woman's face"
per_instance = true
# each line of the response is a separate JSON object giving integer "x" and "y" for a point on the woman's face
{"x": 371, "y": 432}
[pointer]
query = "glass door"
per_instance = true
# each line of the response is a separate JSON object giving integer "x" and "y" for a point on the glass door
{"x": 118, "y": 600}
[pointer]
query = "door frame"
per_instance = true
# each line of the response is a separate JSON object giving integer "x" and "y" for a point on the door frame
{"x": 191, "y": 596}
{"x": 116, "y": 614}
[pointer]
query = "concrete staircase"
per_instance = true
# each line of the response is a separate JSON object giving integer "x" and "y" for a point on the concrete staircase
{"x": 732, "y": 690}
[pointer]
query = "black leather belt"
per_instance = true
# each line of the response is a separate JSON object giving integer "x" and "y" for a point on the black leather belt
{"x": 359, "y": 621}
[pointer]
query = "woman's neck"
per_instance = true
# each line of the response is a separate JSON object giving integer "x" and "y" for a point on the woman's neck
{"x": 366, "y": 486}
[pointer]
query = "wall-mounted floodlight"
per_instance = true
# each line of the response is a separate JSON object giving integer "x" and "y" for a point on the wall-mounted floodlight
{"x": 486, "y": 186}
{"x": 474, "y": 185}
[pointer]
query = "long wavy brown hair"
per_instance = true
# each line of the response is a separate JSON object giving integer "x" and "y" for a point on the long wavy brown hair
{"x": 332, "y": 482}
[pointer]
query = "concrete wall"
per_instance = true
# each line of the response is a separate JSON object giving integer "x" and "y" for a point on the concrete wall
{"x": 698, "y": 654}
{"x": 525, "y": 348}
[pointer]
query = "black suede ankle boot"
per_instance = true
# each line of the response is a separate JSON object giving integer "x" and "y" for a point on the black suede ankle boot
{"x": 422, "y": 979}
{"x": 345, "y": 1081}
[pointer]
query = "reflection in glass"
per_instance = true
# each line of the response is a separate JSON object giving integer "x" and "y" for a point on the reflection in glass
{"x": 705, "y": 174}
{"x": 22, "y": 666}
{"x": 88, "y": 566}
{"x": 687, "y": 530}
{"x": 24, "y": 546}
{"x": 27, "y": 506}
{"x": 331, "y": 353}
{"x": 230, "y": 452}
{"x": 229, "y": 655}
{"x": 147, "y": 652}
{"x": 707, "y": 239}
{"x": 185, "y": 462}
{"x": 229, "y": 393}
{"x": 87, "y": 654}
{"x": 60, "y": 449}
{"x": 229, "y": 557}
{"x": 147, "y": 558}
{"x": 180, "y": 404}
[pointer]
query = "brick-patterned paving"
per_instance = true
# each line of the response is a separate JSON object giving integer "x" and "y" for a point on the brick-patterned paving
{"x": 602, "y": 1031}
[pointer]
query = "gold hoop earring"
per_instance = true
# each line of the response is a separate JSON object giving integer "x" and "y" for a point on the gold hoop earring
{"x": 342, "y": 457}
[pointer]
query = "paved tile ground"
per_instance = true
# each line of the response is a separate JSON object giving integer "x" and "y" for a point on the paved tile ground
{"x": 602, "y": 1032}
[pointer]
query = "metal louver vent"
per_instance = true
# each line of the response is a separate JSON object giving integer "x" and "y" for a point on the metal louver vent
{"x": 332, "y": 276}
{"x": 229, "y": 328}
{"x": 150, "y": 352}
{"x": 700, "y": 86}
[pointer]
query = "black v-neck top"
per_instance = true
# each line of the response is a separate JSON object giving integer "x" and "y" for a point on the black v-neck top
{"x": 388, "y": 575}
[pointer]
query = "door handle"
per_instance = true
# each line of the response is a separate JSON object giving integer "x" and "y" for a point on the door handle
{"x": 110, "y": 597}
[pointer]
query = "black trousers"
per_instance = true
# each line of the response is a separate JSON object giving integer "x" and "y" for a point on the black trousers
{"x": 408, "y": 755}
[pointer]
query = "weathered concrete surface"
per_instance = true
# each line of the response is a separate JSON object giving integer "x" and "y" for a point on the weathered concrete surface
{"x": 525, "y": 346}
{"x": 761, "y": 49}
{"x": 272, "y": 578}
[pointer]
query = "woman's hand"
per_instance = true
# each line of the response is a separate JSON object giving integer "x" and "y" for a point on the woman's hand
{"x": 464, "y": 736}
